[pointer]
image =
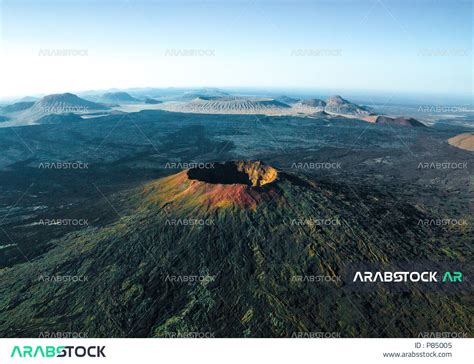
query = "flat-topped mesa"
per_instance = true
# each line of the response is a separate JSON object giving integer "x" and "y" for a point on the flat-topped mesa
{"x": 250, "y": 173}
{"x": 234, "y": 105}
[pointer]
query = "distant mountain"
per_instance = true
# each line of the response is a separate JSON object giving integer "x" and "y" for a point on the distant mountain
{"x": 313, "y": 103}
{"x": 66, "y": 103}
{"x": 201, "y": 93}
{"x": 211, "y": 92}
{"x": 336, "y": 104}
{"x": 239, "y": 249}
{"x": 463, "y": 141}
{"x": 286, "y": 100}
{"x": 117, "y": 98}
{"x": 59, "y": 101}
{"x": 18, "y": 106}
{"x": 152, "y": 101}
{"x": 233, "y": 105}
{"x": 190, "y": 96}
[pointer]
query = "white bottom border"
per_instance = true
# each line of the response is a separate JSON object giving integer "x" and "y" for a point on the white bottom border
{"x": 240, "y": 351}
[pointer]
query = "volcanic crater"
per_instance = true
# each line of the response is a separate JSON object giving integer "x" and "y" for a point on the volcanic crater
{"x": 240, "y": 184}
{"x": 255, "y": 174}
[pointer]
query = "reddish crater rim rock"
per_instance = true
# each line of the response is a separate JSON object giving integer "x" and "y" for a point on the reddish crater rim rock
{"x": 250, "y": 173}
{"x": 242, "y": 184}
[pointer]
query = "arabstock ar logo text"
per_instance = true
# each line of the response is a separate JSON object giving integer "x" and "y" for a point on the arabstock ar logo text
{"x": 399, "y": 277}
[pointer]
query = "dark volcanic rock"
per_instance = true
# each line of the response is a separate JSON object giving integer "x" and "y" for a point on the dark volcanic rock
{"x": 398, "y": 121}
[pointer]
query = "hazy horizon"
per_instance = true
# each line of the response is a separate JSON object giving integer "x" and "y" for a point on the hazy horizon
{"x": 401, "y": 47}
{"x": 367, "y": 96}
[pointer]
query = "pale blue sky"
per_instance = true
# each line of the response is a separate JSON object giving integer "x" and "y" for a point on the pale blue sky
{"x": 395, "y": 46}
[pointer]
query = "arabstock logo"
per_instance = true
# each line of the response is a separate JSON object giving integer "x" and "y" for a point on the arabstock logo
{"x": 445, "y": 276}
{"x": 49, "y": 351}
{"x": 397, "y": 277}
